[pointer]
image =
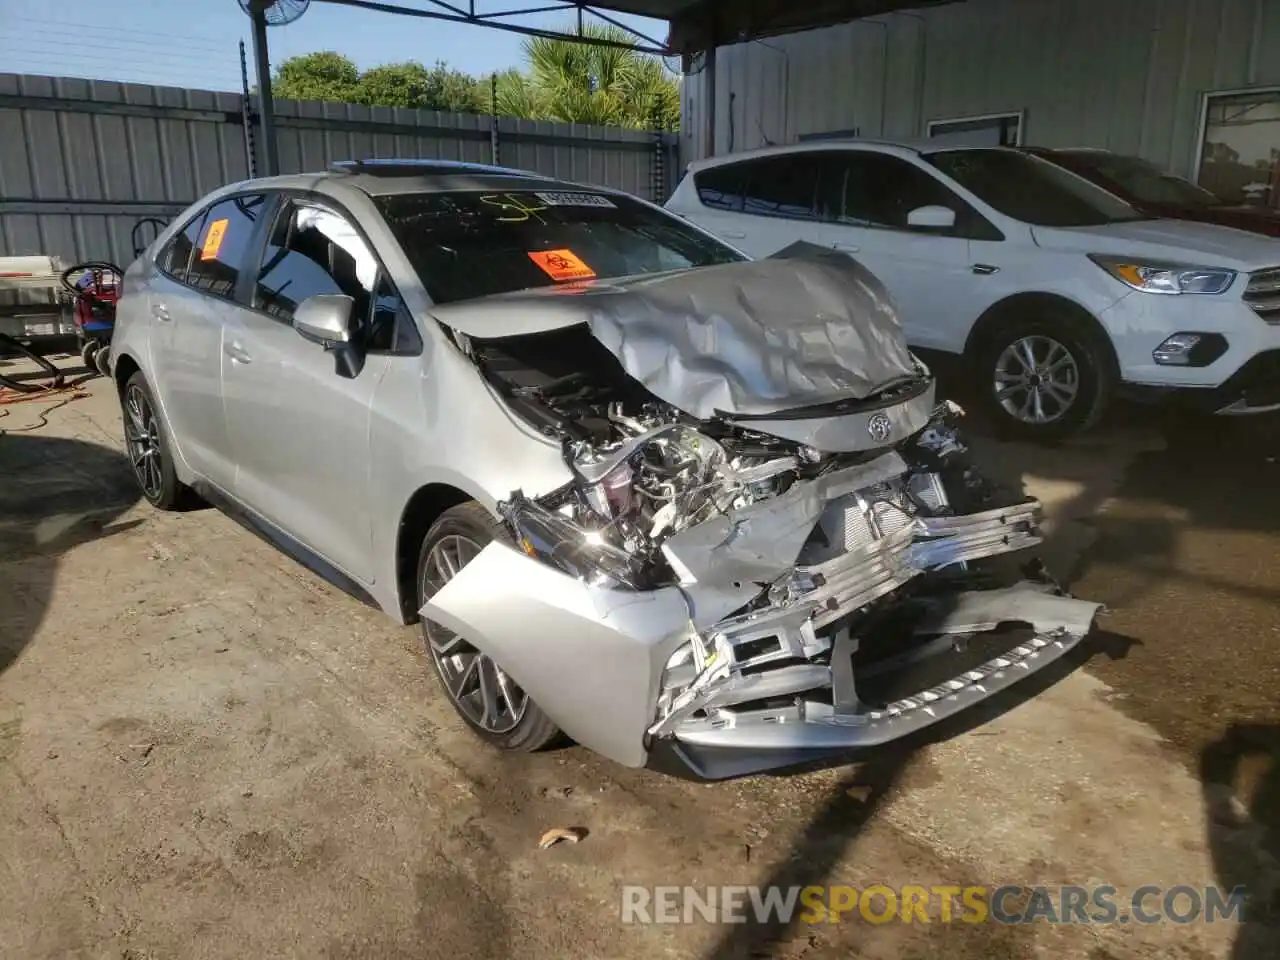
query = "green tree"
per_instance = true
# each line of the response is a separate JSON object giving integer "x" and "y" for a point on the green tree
{"x": 317, "y": 76}
{"x": 414, "y": 85}
{"x": 394, "y": 85}
{"x": 569, "y": 82}
{"x": 517, "y": 96}
{"x": 657, "y": 93}
{"x": 331, "y": 76}
{"x": 580, "y": 83}
{"x": 454, "y": 90}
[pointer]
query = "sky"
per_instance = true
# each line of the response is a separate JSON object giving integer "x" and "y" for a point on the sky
{"x": 193, "y": 43}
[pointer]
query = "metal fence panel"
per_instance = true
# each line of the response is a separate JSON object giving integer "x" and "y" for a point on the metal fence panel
{"x": 83, "y": 161}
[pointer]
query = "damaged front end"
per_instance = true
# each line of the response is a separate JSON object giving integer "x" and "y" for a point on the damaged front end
{"x": 830, "y": 612}
{"x": 747, "y": 613}
{"x": 746, "y": 589}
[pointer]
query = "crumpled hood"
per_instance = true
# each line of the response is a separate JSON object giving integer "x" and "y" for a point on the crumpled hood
{"x": 806, "y": 326}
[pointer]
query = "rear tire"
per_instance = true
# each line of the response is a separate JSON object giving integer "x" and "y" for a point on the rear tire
{"x": 148, "y": 449}
{"x": 1044, "y": 377}
{"x": 491, "y": 703}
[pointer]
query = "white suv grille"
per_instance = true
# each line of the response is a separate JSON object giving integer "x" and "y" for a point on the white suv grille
{"x": 1263, "y": 294}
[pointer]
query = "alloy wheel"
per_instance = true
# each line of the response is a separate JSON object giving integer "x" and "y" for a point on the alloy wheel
{"x": 479, "y": 688}
{"x": 1036, "y": 380}
{"x": 142, "y": 440}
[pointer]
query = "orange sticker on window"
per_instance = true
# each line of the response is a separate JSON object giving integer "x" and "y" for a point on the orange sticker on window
{"x": 561, "y": 265}
{"x": 213, "y": 239}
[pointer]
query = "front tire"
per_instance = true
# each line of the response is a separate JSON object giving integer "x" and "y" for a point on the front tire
{"x": 490, "y": 701}
{"x": 1046, "y": 377}
{"x": 148, "y": 448}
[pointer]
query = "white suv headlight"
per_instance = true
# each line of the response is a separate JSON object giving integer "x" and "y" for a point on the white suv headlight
{"x": 1151, "y": 276}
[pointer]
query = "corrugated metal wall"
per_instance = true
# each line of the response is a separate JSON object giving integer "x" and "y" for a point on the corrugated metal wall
{"x": 82, "y": 161}
{"x": 1127, "y": 75}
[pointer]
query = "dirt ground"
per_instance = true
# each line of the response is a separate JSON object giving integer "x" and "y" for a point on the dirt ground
{"x": 207, "y": 752}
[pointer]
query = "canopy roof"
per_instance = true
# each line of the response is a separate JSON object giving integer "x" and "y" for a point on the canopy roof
{"x": 696, "y": 25}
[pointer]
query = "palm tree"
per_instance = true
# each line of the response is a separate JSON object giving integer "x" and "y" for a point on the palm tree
{"x": 582, "y": 83}
{"x": 516, "y": 96}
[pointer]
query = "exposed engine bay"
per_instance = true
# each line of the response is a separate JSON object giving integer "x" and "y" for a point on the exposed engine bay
{"x": 646, "y": 471}
{"x": 830, "y": 572}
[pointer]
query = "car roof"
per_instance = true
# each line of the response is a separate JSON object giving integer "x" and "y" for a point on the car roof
{"x": 377, "y": 177}
{"x": 899, "y": 147}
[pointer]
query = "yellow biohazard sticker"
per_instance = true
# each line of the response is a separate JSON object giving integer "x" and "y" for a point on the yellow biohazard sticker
{"x": 561, "y": 265}
{"x": 213, "y": 239}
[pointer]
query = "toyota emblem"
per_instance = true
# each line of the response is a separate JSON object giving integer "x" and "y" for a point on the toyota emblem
{"x": 879, "y": 427}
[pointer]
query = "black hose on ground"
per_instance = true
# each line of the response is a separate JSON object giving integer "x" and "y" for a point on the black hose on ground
{"x": 9, "y": 343}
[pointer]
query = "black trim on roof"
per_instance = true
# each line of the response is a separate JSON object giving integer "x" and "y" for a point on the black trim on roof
{"x": 425, "y": 168}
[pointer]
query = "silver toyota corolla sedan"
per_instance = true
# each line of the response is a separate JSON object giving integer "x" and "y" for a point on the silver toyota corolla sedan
{"x": 683, "y": 507}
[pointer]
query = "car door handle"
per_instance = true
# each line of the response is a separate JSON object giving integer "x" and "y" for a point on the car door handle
{"x": 984, "y": 269}
{"x": 733, "y": 235}
{"x": 846, "y": 247}
{"x": 236, "y": 352}
{"x": 160, "y": 312}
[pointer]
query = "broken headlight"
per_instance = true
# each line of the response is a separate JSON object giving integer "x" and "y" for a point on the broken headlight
{"x": 580, "y": 552}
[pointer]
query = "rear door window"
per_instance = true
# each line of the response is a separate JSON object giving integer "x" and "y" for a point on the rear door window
{"x": 832, "y": 173}
{"x": 223, "y": 244}
{"x": 720, "y": 187}
{"x": 176, "y": 255}
{"x": 781, "y": 186}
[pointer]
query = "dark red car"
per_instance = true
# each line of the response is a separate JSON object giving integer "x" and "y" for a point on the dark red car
{"x": 1159, "y": 194}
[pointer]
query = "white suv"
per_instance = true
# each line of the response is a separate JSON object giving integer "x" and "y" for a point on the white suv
{"x": 1055, "y": 292}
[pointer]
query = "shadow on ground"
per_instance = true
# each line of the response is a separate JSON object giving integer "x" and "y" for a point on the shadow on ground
{"x": 1187, "y": 560}
{"x": 56, "y": 494}
{"x": 1191, "y": 511}
{"x": 855, "y": 801}
{"x": 1245, "y": 838}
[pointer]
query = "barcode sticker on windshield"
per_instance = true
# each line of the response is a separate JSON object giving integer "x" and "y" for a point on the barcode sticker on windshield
{"x": 575, "y": 200}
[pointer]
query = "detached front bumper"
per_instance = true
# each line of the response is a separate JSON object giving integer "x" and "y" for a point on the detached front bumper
{"x": 732, "y": 742}
{"x": 676, "y": 671}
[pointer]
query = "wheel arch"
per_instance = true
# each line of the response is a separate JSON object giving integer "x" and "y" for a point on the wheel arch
{"x": 423, "y": 508}
{"x": 1032, "y": 303}
{"x": 125, "y": 367}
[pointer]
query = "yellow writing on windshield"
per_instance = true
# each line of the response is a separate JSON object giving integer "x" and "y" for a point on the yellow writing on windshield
{"x": 514, "y": 209}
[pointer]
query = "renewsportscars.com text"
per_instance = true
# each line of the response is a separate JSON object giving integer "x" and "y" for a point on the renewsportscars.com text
{"x": 937, "y": 903}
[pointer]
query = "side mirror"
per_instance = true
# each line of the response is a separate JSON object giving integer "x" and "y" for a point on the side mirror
{"x": 325, "y": 319}
{"x": 932, "y": 217}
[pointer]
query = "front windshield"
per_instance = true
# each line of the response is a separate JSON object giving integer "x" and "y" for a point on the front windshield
{"x": 1032, "y": 190}
{"x": 468, "y": 244}
{"x": 1146, "y": 182}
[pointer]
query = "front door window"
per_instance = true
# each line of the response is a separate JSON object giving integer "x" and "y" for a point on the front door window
{"x": 311, "y": 251}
